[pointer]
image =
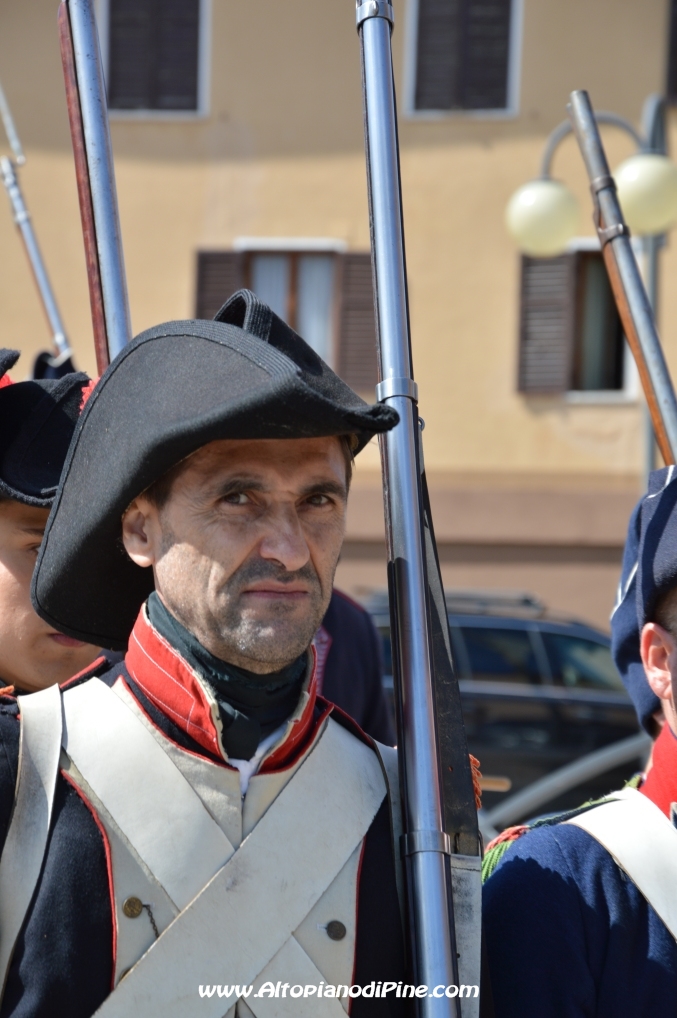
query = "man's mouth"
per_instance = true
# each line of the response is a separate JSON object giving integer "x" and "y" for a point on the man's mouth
{"x": 284, "y": 593}
{"x": 66, "y": 641}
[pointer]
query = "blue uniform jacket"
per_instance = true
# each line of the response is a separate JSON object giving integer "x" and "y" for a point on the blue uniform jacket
{"x": 569, "y": 935}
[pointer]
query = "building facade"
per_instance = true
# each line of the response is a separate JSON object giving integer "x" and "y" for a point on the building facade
{"x": 237, "y": 133}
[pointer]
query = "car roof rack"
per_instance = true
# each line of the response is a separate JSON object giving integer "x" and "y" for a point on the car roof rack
{"x": 474, "y": 602}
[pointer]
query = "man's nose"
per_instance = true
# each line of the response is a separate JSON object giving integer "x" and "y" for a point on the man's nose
{"x": 284, "y": 540}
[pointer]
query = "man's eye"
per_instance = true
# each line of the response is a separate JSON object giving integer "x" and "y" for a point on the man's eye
{"x": 318, "y": 500}
{"x": 236, "y": 498}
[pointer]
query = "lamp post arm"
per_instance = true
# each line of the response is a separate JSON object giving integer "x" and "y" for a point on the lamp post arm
{"x": 564, "y": 129}
{"x": 628, "y": 289}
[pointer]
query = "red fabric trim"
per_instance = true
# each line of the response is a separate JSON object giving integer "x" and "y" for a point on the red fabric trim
{"x": 509, "y": 834}
{"x": 173, "y": 742}
{"x": 5, "y": 380}
{"x": 85, "y": 671}
{"x": 301, "y": 734}
{"x": 109, "y": 866}
{"x": 660, "y": 784}
{"x": 175, "y": 689}
{"x": 87, "y": 391}
{"x": 171, "y": 684}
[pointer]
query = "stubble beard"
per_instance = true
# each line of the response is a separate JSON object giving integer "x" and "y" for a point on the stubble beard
{"x": 259, "y": 637}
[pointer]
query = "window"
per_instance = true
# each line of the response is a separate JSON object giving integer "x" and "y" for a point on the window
{"x": 571, "y": 338}
{"x": 326, "y": 296}
{"x": 581, "y": 664}
{"x": 464, "y": 55}
{"x": 500, "y": 655}
{"x": 152, "y": 50}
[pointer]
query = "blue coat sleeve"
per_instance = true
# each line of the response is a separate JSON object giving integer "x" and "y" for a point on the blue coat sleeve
{"x": 569, "y": 935}
{"x": 535, "y": 934}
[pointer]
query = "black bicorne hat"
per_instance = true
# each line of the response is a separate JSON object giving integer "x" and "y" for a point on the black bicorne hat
{"x": 37, "y": 420}
{"x": 175, "y": 388}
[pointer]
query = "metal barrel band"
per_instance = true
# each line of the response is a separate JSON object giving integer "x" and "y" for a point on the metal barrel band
{"x": 601, "y": 183}
{"x": 425, "y": 841}
{"x": 607, "y": 233}
{"x": 396, "y": 387}
{"x": 374, "y": 9}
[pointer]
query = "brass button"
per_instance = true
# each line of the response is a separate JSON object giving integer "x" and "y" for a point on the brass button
{"x": 133, "y": 907}
{"x": 336, "y": 930}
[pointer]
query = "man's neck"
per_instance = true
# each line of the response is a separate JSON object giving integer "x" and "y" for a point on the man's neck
{"x": 251, "y": 705}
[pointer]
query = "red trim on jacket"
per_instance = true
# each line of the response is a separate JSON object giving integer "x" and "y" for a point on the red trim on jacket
{"x": 660, "y": 784}
{"x": 171, "y": 684}
{"x": 109, "y": 867}
{"x": 95, "y": 665}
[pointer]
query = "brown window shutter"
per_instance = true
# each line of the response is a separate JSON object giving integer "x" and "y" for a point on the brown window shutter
{"x": 219, "y": 275}
{"x": 438, "y": 54}
{"x": 462, "y": 54}
{"x": 546, "y": 324}
{"x": 357, "y": 363}
{"x": 486, "y": 54}
{"x": 153, "y": 54}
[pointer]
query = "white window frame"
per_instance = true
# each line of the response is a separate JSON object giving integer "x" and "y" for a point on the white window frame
{"x": 204, "y": 55}
{"x": 630, "y": 392}
{"x": 509, "y": 112}
{"x": 292, "y": 244}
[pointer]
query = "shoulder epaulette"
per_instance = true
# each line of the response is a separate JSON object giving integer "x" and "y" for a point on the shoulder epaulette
{"x": 496, "y": 849}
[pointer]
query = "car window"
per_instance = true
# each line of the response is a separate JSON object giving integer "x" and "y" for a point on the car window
{"x": 500, "y": 654}
{"x": 581, "y": 664}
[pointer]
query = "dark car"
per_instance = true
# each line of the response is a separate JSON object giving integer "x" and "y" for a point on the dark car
{"x": 538, "y": 691}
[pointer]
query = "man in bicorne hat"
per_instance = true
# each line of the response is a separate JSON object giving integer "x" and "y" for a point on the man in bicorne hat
{"x": 206, "y": 820}
{"x": 37, "y": 419}
{"x": 581, "y": 910}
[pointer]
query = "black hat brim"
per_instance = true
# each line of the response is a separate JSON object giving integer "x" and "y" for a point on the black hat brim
{"x": 174, "y": 389}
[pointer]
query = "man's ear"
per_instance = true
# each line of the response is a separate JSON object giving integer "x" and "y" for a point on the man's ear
{"x": 140, "y": 533}
{"x": 659, "y": 656}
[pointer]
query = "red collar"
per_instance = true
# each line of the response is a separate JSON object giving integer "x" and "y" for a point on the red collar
{"x": 176, "y": 690}
{"x": 661, "y": 782}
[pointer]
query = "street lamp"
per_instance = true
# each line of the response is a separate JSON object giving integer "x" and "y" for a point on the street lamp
{"x": 542, "y": 216}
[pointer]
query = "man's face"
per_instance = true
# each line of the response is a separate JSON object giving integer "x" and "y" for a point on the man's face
{"x": 32, "y": 654}
{"x": 245, "y": 548}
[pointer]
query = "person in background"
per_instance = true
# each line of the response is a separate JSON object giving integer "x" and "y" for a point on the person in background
{"x": 37, "y": 419}
{"x": 579, "y": 909}
{"x": 350, "y": 666}
{"x": 626, "y": 636}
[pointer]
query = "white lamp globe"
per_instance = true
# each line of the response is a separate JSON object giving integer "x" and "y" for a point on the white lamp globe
{"x": 542, "y": 217}
{"x": 647, "y": 190}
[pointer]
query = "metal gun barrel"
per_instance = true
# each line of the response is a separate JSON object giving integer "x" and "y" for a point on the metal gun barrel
{"x": 23, "y": 221}
{"x": 626, "y": 282}
{"x": 426, "y": 845}
{"x": 10, "y": 129}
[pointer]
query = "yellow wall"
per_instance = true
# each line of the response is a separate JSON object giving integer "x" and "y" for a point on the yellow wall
{"x": 280, "y": 153}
